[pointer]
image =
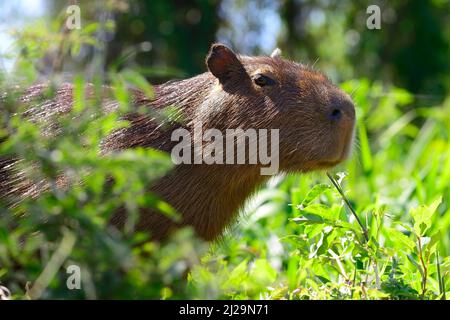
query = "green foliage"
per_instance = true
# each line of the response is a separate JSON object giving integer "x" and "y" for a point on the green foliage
{"x": 69, "y": 225}
{"x": 298, "y": 238}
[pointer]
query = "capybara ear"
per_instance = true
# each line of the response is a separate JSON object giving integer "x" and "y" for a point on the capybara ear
{"x": 223, "y": 62}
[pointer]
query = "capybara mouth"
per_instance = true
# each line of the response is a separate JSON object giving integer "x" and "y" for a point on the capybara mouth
{"x": 346, "y": 150}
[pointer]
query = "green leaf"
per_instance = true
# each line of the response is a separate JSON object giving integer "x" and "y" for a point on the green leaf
{"x": 237, "y": 275}
{"x": 309, "y": 219}
{"x": 322, "y": 210}
{"x": 91, "y": 27}
{"x": 422, "y": 216}
{"x": 316, "y": 191}
{"x": 397, "y": 236}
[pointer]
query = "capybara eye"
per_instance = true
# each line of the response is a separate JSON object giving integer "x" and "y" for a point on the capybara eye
{"x": 263, "y": 80}
{"x": 335, "y": 114}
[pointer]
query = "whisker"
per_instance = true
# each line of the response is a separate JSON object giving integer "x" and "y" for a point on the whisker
{"x": 314, "y": 63}
{"x": 354, "y": 90}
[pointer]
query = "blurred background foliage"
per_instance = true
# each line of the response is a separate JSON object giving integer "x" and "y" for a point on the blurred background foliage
{"x": 296, "y": 240}
{"x": 410, "y": 51}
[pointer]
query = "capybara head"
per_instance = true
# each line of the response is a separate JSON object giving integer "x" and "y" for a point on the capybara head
{"x": 314, "y": 117}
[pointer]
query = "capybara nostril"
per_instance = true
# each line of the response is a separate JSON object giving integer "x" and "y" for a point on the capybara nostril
{"x": 340, "y": 107}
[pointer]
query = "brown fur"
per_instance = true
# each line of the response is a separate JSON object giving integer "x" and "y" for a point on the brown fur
{"x": 209, "y": 196}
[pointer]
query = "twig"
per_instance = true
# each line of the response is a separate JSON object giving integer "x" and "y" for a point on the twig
{"x": 424, "y": 266}
{"x": 339, "y": 189}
